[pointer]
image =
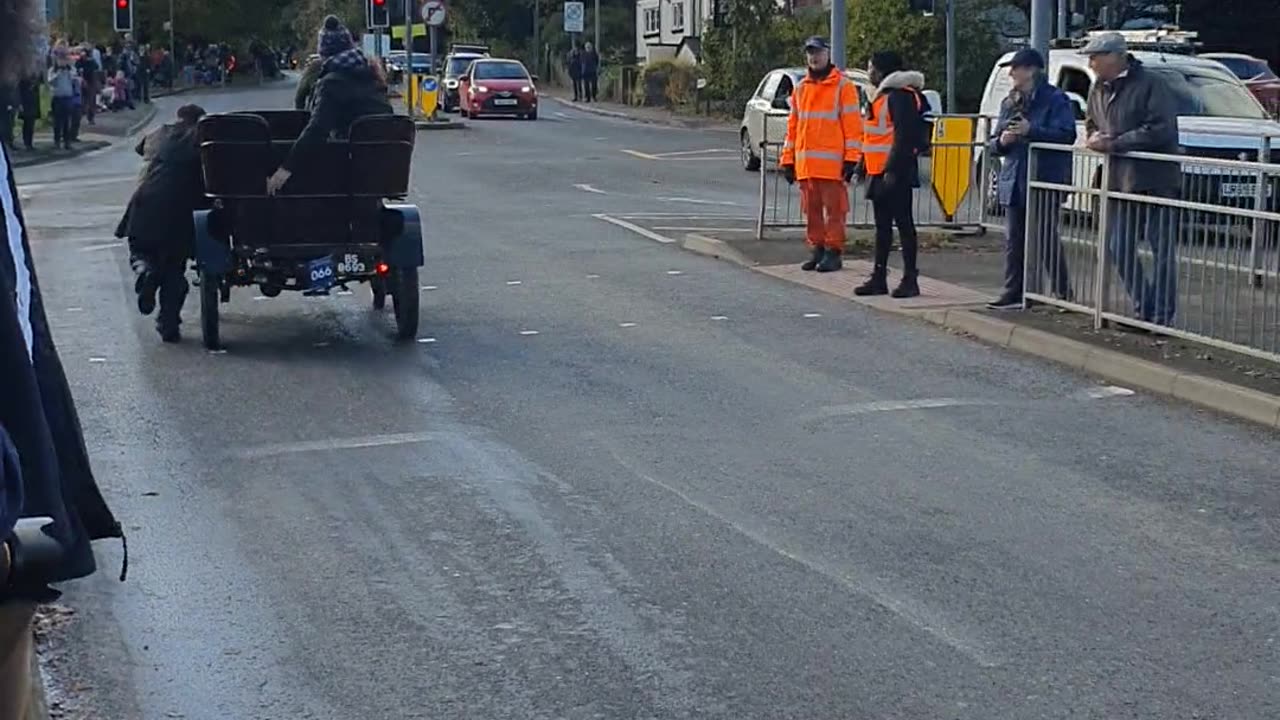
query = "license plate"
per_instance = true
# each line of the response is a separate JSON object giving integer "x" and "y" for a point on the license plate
{"x": 1239, "y": 190}
{"x": 320, "y": 272}
{"x": 352, "y": 265}
{"x": 506, "y": 101}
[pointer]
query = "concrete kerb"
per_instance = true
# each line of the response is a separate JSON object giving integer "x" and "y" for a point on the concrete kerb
{"x": 667, "y": 122}
{"x": 711, "y": 247}
{"x": 440, "y": 125}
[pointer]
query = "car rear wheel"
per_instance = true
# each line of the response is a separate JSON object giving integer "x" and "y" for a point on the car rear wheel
{"x": 210, "y": 295}
{"x": 405, "y": 297}
{"x": 750, "y": 161}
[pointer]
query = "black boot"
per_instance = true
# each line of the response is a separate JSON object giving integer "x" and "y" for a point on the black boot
{"x": 812, "y": 263}
{"x": 169, "y": 330}
{"x": 877, "y": 284}
{"x": 145, "y": 286}
{"x": 832, "y": 262}
{"x": 907, "y": 288}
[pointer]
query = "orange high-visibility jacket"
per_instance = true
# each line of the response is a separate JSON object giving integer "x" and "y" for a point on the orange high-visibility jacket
{"x": 824, "y": 129}
{"x": 878, "y": 135}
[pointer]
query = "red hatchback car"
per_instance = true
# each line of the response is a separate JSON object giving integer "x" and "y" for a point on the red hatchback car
{"x": 1257, "y": 76}
{"x": 498, "y": 87}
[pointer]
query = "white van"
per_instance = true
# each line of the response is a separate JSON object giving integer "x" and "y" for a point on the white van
{"x": 1217, "y": 115}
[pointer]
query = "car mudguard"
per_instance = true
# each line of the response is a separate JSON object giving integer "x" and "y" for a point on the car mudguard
{"x": 404, "y": 236}
{"x": 212, "y": 252}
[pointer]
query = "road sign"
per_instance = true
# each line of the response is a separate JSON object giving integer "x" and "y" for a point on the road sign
{"x": 574, "y": 12}
{"x": 952, "y": 161}
{"x": 433, "y": 12}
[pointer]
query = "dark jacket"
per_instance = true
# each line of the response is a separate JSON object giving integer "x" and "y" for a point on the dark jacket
{"x": 1052, "y": 120}
{"x": 159, "y": 216}
{"x": 590, "y": 63}
{"x": 910, "y": 132}
{"x": 575, "y": 64}
{"x": 302, "y": 98}
{"x": 341, "y": 96}
{"x": 29, "y": 98}
{"x": 37, "y": 410}
{"x": 1138, "y": 111}
{"x": 10, "y": 485}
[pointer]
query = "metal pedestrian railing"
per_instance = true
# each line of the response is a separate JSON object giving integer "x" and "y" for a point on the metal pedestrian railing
{"x": 1203, "y": 264}
{"x": 956, "y": 182}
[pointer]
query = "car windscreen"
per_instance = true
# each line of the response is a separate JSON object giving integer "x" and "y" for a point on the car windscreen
{"x": 457, "y": 66}
{"x": 1200, "y": 91}
{"x": 500, "y": 71}
{"x": 1248, "y": 68}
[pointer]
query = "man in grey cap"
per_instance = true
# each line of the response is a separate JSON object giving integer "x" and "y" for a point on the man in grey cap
{"x": 1132, "y": 110}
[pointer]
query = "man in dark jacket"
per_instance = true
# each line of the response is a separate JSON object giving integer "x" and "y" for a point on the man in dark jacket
{"x": 1034, "y": 112}
{"x": 44, "y": 468}
{"x": 29, "y": 108}
{"x": 158, "y": 221}
{"x": 590, "y": 72}
{"x": 350, "y": 87}
{"x": 575, "y": 72}
{"x": 1133, "y": 110}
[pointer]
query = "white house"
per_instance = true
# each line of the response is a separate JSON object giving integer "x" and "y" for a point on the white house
{"x": 672, "y": 29}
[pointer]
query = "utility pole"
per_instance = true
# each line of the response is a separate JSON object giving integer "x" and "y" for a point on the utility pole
{"x": 1064, "y": 25}
{"x": 173, "y": 47}
{"x": 951, "y": 56}
{"x": 838, "y": 16}
{"x": 411, "y": 92}
{"x": 1041, "y": 25}
{"x": 596, "y": 14}
{"x": 537, "y": 38}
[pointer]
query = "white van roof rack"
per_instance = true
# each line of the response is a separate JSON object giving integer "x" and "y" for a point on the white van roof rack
{"x": 1169, "y": 39}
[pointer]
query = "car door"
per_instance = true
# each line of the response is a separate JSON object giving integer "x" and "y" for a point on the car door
{"x": 758, "y": 106}
{"x": 779, "y": 109}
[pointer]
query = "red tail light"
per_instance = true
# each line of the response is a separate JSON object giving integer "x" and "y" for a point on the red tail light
{"x": 383, "y": 268}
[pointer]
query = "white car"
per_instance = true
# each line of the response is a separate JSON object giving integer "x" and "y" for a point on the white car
{"x": 765, "y": 117}
{"x": 1217, "y": 116}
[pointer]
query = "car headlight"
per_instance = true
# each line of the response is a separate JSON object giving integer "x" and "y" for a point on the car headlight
{"x": 480, "y": 89}
{"x": 451, "y": 84}
{"x": 526, "y": 89}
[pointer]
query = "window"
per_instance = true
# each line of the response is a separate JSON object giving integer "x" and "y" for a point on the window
{"x": 1206, "y": 92}
{"x": 499, "y": 70}
{"x": 1074, "y": 80}
{"x": 769, "y": 86}
{"x": 785, "y": 87}
{"x": 652, "y": 21}
{"x": 1248, "y": 68}
{"x": 677, "y": 16}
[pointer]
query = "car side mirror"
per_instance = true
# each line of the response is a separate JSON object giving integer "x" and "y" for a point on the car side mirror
{"x": 1078, "y": 104}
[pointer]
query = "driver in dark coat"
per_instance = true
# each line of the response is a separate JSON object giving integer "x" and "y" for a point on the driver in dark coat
{"x": 350, "y": 87}
{"x": 159, "y": 223}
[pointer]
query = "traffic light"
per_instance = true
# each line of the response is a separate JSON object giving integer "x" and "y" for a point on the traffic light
{"x": 379, "y": 14}
{"x": 123, "y": 10}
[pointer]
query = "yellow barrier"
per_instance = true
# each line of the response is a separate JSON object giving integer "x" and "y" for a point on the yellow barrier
{"x": 422, "y": 92}
{"x": 952, "y": 161}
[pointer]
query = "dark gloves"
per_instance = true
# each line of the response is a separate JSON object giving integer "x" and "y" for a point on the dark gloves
{"x": 889, "y": 180}
{"x": 789, "y": 172}
{"x": 849, "y": 170}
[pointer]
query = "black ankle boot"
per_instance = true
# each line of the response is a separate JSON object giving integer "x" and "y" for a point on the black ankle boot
{"x": 832, "y": 262}
{"x": 877, "y": 284}
{"x": 909, "y": 287}
{"x": 812, "y": 263}
{"x": 145, "y": 286}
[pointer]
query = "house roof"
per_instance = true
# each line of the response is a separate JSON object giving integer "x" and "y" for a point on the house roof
{"x": 694, "y": 44}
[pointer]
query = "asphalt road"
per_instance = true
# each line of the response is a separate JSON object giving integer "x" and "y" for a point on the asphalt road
{"x": 623, "y": 481}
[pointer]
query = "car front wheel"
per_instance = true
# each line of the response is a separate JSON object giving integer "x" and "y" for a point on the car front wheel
{"x": 750, "y": 161}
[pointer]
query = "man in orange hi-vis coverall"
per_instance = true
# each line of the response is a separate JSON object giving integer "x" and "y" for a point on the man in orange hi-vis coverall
{"x": 822, "y": 149}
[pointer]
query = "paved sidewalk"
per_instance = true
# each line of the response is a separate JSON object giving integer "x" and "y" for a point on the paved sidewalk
{"x": 108, "y": 127}
{"x": 651, "y": 115}
{"x": 964, "y": 272}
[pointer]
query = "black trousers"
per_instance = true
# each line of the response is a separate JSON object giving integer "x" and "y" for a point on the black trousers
{"x": 7, "y": 118}
{"x": 591, "y": 85}
{"x": 891, "y": 205}
{"x": 166, "y": 275}
{"x": 28, "y": 132}
{"x": 577, "y": 89}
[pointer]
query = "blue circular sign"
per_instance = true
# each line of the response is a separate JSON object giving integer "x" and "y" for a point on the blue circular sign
{"x": 430, "y": 84}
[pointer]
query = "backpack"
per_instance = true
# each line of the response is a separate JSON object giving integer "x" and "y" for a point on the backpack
{"x": 924, "y": 138}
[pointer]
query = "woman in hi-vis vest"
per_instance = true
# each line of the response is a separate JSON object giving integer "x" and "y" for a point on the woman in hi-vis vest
{"x": 823, "y": 146}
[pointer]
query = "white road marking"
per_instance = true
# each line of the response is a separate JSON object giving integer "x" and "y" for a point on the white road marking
{"x": 345, "y": 292}
{"x": 75, "y": 309}
{"x": 528, "y": 332}
{"x": 699, "y": 228}
{"x": 1107, "y": 391}
{"x": 683, "y": 216}
{"x": 626, "y": 325}
{"x": 101, "y": 246}
{"x": 879, "y": 406}
{"x": 675, "y": 272}
{"x": 644, "y": 232}
{"x": 695, "y": 201}
{"x": 514, "y": 282}
{"x": 72, "y": 184}
{"x": 260, "y": 297}
{"x": 426, "y": 341}
{"x": 862, "y": 583}
{"x": 217, "y": 352}
{"x": 679, "y": 153}
{"x": 642, "y": 156}
{"x": 593, "y": 277}
{"x": 427, "y": 288}
{"x": 353, "y": 443}
{"x": 813, "y": 315}
{"x": 719, "y": 317}
{"x": 563, "y": 115}
{"x": 590, "y": 188}
{"x": 97, "y": 359}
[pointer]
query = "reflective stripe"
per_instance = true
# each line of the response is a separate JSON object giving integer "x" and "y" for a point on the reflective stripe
{"x": 819, "y": 155}
{"x": 852, "y": 145}
{"x": 816, "y": 115}
{"x": 876, "y": 150}
{"x": 850, "y": 109}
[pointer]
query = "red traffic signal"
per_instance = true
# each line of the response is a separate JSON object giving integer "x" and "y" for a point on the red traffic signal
{"x": 379, "y": 14}
{"x": 123, "y": 10}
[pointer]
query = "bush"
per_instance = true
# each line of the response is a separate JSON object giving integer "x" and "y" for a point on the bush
{"x": 668, "y": 82}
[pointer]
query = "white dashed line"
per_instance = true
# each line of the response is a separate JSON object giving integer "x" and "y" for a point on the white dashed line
{"x": 719, "y": 317}
{"x": 426, "y": 341}
{"x": 528, "y": 332}
{"x": 643, "y": 232}
{"x": 217, "y": 352}
{"x": 258, "y": 298}
{"x": 101, "y": 246}
{"x": 590, "y": 188}
{"x": 514, "y": 282}
{"x": 345, "y": 292}
{"x": 593, "y": 277}
{"x": 675, "y": 272}
{"x": 428, "y": 288}
{"x": 75, "y": 309}
{"x": 813, "y": 315}
{"x": 1107, "y": 391}
{"x": 626, "y": 325}
{"x": 97, "y": 359}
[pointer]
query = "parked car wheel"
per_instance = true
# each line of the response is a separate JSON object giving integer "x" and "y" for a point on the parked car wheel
{"x": 750, "y": 161}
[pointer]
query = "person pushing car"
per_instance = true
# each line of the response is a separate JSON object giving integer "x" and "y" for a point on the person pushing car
{"x": 821, "y": 151}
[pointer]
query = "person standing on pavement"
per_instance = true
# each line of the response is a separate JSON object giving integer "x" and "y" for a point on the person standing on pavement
{"x": 350, "y": 87}
{"x": 9, "y": 104}
{"x": 590, "y": 72}
{"x": 1034, "y": 112}
{"x": 90, "y": 83}
{"x": 44, "y": 468}
{"x": 894, "y": 133}
{"x": 29, "y": 108}
{"x": 1133, "y": 110}
{"x": 822, "y": 149}
{"x": 62, "y": 87}
{"x": 575, "y": 72}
